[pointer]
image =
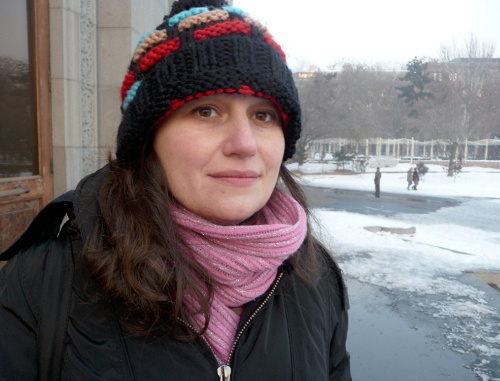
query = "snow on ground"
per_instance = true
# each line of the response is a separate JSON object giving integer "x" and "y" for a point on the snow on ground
{"x": 426, "y": 267}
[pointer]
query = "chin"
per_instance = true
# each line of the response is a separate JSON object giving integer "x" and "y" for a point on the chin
{"x": 231, "y": 218}
{"x": 228, "y": 220}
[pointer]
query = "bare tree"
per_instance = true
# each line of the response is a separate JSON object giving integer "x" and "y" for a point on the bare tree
{"x": 471, "y": 73}
{"x": 367, "y": 96}
{"x": 469, "y": 67}
{"x": 318, "y": 98}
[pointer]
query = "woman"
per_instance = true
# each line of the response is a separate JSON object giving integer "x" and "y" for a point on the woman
{"x": 191, "y": 251}
{"x": 409, "y": 178}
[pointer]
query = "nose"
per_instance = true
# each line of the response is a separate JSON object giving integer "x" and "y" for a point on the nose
{"x": 240, "y": 139}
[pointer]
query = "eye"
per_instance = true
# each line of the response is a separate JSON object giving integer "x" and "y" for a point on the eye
{"x": 266, "y": 116}
{"x": 205, "y": 111}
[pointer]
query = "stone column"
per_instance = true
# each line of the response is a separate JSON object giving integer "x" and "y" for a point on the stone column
{"x": 73, "y": 87}
{"x": 121, "y": 23}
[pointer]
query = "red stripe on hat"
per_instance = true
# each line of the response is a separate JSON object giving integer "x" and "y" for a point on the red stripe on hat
{"x": 269, "y": 40}
{"x": 128, "y": 81}
{"x": 283, "y": 114}
{"x": 175, "y": 104}
{"x": 223, "y": 28}
{"x": 236, "y": 27}
{"x": 158, "y": 52}
{"x": 247, "y": 90}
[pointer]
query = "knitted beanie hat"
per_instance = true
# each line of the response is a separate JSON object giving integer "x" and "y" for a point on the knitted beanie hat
{"x": 203, "y": 47}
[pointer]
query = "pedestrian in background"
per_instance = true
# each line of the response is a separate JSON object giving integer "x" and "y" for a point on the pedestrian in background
{"x": 378, "y": 176}
{"x": 409, "y": 177}
{"x": 416, "y": 178}
{"x": 190, "y": 255}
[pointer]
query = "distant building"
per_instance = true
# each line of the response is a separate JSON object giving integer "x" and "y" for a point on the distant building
{"x": 305, "y": 75}
{"x": 460, "y": 69}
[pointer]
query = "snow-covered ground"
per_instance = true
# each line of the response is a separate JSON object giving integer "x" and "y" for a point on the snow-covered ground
{"x": 471, "y": 182}
{"x": 426, "y": 267}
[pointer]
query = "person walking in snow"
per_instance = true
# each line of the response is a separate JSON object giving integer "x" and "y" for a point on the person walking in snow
{"x": 415, "y": 179}
{"x": 409, "y": 177}
{"x": 378, "y": 175}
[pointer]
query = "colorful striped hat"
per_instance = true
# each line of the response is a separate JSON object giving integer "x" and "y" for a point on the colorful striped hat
{"x": 203, "y": 47}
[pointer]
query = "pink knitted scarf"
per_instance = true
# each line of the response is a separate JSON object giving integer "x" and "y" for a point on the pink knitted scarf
{"x": 242, "y": 260}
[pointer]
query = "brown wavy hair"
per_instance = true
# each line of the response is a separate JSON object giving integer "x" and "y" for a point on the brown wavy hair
{"x": 134, "y": 256}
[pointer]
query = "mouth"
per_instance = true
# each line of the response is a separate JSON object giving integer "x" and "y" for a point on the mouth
{"x": 236, "y": 178}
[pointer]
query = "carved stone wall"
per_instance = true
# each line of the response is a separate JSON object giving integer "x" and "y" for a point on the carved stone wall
{"x": 73, "y": 84}
{"x": 120, "y": 24}
{"x": 91, "y": 45}
{"x": 88, "y": 60}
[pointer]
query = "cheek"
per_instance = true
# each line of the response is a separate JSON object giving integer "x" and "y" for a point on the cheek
{"x": 273, "y": 150}
{"x": 182, "y": 158}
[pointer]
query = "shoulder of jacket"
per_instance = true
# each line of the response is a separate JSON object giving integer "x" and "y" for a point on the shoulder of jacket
{"x": 26, "y": 272}
{"x": 334, "y": 279}
{"x": 330, "y": 282}
{"x": 27, "y": 258}
{"x": 46, "y": 225}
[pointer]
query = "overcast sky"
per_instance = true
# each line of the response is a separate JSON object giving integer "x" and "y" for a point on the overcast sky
{"x": 327, "y": 32}
{"x": 390, "y": 32}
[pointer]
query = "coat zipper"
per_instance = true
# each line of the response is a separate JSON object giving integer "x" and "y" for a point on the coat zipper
{"x": 224, "y": 371}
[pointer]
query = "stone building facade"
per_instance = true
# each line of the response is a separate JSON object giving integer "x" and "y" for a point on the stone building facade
{"x": 91, "y": 44}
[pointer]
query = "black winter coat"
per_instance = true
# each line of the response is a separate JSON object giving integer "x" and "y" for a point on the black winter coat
{"x": 292, "y": 332}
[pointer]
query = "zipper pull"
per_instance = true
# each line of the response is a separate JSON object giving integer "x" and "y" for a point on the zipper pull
{"x": 224, "y": 373}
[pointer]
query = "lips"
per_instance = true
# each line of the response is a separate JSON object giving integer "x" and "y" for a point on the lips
{"x": 236, "y": 178}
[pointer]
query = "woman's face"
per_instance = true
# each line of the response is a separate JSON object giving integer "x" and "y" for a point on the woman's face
{"x": 221, "y": 155}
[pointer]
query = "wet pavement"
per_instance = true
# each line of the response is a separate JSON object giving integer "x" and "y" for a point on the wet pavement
{"x": 386, "y": 345}
{"x": 393, "y": 335}
{"x": 387, "y": 205}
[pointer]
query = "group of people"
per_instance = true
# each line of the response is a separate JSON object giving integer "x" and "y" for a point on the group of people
{"x": 412, "y": 177}
{"x": 190, "y": 255}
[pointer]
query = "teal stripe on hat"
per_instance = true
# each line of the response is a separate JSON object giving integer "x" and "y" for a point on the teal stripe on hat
{"x": 235, "y": 10}
{"x": 185, "y": 14}
{"x": 131, "y": 94}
